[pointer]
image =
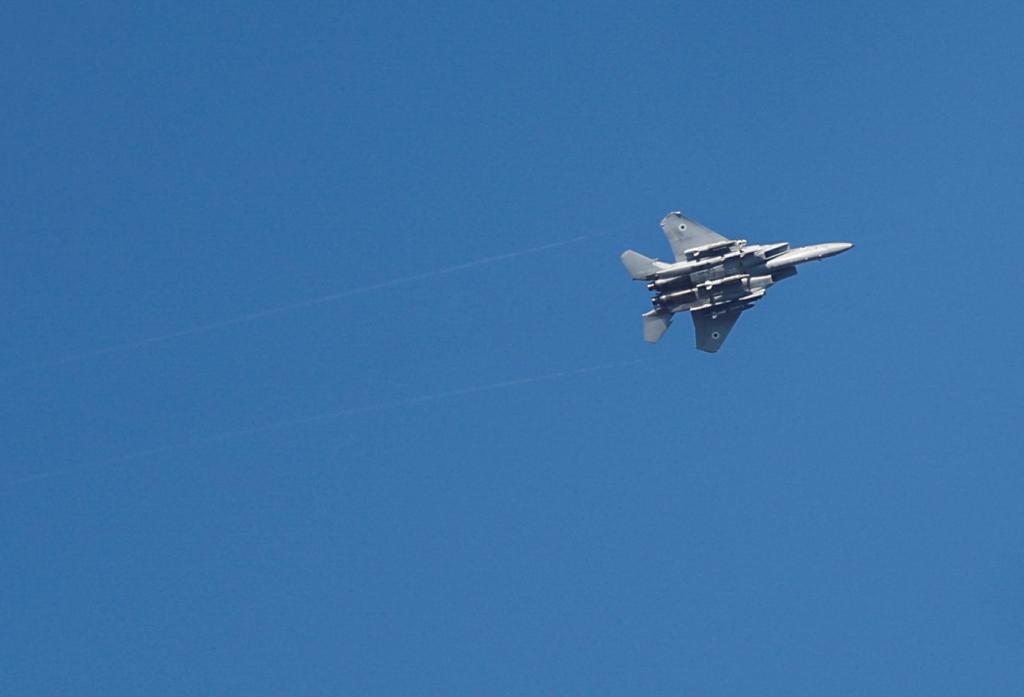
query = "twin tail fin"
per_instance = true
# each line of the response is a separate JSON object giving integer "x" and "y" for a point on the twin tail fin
{"x": 641, "y": 268}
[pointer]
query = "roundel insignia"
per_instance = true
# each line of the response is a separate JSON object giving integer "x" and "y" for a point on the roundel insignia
{"x": 715, "y": 335}
{"x": 682, "y": 226}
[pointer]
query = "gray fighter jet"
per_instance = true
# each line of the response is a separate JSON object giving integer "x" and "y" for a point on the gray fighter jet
{"x": 713, "y": 278}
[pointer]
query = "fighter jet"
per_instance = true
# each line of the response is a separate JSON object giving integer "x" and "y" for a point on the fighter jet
{"x": 713, "y": 278}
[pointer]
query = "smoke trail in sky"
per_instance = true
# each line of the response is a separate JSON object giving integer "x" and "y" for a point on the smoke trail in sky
{"x": 296, "y": 305}
{"x": 322, "y": 416}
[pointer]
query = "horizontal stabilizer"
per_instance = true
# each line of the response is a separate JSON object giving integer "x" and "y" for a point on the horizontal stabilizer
{"x": 640, "y": 267}
{"x": 656, "y": 323}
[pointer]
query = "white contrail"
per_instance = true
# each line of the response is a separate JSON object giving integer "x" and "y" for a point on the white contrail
{"x": 297, "y": 305}
{"x": 323, "y": 416}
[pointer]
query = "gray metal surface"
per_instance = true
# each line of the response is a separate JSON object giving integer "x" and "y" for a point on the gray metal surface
{"x": 710, "y": 330}
{"x": 684, "y": 233}
{"x": 714, "y": 278}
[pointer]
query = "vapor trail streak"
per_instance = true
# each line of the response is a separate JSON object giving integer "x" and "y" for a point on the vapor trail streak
{"x": 297, "y": 305}
{"x": 323, "y": 416}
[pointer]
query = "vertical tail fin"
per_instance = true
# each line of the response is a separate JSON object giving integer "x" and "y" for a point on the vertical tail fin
{"x": 639, "y": 266}
{"x": 656, "y": 323}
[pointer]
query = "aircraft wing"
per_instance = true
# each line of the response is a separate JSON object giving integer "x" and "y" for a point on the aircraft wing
{"x": 683, "y": 234}
{"x": 711, "y": 333}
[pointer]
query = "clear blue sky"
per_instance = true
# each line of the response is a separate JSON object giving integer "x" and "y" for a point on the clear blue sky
{"x": 832, "y": 505}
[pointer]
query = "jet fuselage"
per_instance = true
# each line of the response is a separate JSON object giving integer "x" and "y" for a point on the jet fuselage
{"x": 713, "y": 278}
{"x": 736, "y": 271}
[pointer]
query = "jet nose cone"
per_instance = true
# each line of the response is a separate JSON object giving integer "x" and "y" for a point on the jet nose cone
{"x": 833, "y": 248}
